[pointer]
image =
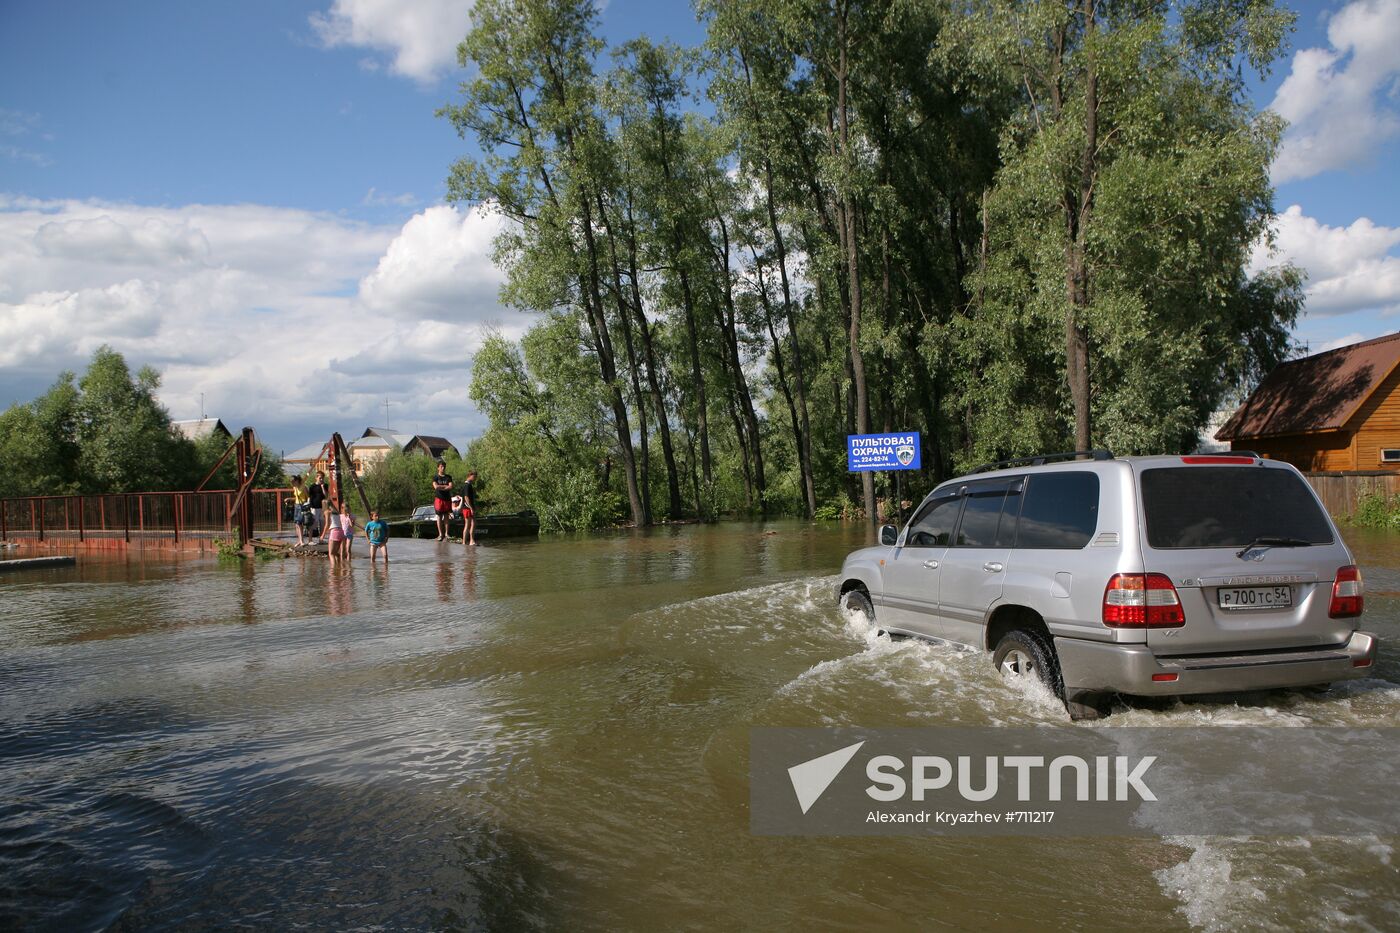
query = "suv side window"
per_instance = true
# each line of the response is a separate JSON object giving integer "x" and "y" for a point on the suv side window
{"x": 982, "y": 516}
{"x": 933, "y": 526}
{"x": 1061, "y": 510}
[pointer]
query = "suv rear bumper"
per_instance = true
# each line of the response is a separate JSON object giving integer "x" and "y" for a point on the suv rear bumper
{"x": 1093, "y": 666}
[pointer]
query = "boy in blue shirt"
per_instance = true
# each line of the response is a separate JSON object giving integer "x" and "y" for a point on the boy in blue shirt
{"x": 378, "y": 535}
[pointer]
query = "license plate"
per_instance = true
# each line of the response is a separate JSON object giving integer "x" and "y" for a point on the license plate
{"x": 1256, "y": 597}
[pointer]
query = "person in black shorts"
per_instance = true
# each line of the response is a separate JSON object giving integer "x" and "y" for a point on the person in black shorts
{"x": 442, "y": 498}
{"x": 469, "y": 510}
{"x": 316, "y": 492}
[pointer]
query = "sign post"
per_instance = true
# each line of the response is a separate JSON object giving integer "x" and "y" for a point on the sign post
{"x": 895, "y": 451}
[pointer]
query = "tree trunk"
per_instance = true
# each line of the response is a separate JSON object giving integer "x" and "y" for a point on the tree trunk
{"x": 728, "y": 321}
{"x": 1079, "y": 210}
{"x": 663, "y": 421}
{"x": 625, "y": 319}
{"x": 804, "y": 431}
{"x": 677, "y": 259}
{"x": 867, "y": 480}
{"x": 607, "y": 364}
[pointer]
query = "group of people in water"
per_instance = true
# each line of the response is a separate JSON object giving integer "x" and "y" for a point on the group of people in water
{"x": 444, "y": 503}
{"x": 313, "y": 518}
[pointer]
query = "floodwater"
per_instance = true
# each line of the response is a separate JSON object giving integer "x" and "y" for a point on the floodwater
{"x": 553, "y": 734}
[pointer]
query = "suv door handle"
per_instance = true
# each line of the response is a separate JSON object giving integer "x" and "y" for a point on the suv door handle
{"x": 992, "y": 566}
{"x": 931, "y": 565}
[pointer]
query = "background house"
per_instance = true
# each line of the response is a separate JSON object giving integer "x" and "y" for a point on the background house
{"x": 196, "y": 429}
{"x": 308, "y": 459}
{"x": 1338, "y": 410}
{"x": 366, "y": 450}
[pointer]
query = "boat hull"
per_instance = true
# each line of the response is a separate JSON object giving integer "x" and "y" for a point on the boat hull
{"x": 488, "y": 527}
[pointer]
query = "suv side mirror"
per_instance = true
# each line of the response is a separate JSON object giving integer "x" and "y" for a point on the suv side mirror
{"x": 889, "y": 534}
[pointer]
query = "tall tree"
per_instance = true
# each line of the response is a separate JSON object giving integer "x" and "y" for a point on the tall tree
{"x": 532, "y": 107}
{"x": 1119, "y": 98}
{"x": 124, "y": 435}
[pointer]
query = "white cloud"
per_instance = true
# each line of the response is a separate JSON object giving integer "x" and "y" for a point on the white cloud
{"x": 1345, "y": 340}
{"x": 1349, "y": 268}
{"x": 374, "y": 198}
{"x": 439, "y": 267}
{"x": 296, "y": 322}
{"x": 1341, "y": 101}
{"x": 419, "y": 36}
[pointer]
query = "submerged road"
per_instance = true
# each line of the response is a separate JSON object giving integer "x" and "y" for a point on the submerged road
{"x": 554, "y": 734}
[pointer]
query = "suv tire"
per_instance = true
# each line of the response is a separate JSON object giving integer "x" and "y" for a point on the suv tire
{"x": 857, "y": 601}
{"x": 1023, "y": 653}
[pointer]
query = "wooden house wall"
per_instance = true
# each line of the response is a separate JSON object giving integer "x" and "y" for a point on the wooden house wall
{"x": 1308, "y": 452}
{"x": 1377, "y": 425}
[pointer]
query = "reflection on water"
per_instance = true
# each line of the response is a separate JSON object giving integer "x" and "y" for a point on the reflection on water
{"x": 554, "y": 734}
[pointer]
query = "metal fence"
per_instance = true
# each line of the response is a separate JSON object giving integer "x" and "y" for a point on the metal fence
{"x": 163, "y": 518}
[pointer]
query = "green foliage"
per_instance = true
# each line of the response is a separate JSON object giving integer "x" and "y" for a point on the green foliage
{"x": 1377, "y": 510}
{"x": 228, "y": 549}
{"x": 1158, "y": 211}
{"x": 37, "y": 443}
{"x": 124, "y": 433}
{"x": 697, "y": 272}
{"x": 403, "y": 481}
{"x": 107, "y": 432}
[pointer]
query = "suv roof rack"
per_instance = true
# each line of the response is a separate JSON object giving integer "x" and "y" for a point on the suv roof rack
{"x": 1042, "y": 459}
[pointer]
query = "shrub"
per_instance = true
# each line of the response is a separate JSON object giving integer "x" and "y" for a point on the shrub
{"x": 1376, "y": 510}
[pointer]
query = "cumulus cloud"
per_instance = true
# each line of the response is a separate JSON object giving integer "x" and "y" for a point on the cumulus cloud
{"x": 1342, "y": 102}
{"x": 1349, "y": 268}
{"x": 419, "y": 36}
{"x": 439, "y": 267}
{"x": 296, "y": 322}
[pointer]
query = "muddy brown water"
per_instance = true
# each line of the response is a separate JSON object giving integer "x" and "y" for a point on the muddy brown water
{"x": 553, "y": 735}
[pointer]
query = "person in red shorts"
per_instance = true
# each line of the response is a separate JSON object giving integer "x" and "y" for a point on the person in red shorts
{"x": 442, "y": 498}
{"x": 469, "y": 510}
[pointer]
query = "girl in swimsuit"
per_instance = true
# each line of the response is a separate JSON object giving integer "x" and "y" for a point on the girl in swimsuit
{"x": 336, "y": 537}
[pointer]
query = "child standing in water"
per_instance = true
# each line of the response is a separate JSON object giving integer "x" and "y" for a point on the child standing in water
{"x": 377, "y": 533}
{"x": 335, "y": 538}
{"x": 347, "y": 527}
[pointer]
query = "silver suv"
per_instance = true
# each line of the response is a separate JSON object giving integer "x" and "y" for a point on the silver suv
{"x": 1146, "y": 576}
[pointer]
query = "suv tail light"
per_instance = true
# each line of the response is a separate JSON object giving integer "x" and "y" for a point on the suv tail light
{"x": 1347, "y": 595}
{"x": 1142, "y": 600}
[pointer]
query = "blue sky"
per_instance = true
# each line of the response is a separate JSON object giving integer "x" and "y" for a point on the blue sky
{"x": 249, "y": 196}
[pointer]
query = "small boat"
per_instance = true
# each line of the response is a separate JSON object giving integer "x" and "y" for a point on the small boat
{"x": 423, "y": 524}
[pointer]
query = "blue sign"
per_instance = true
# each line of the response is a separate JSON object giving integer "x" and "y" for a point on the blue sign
{"x": 865, "y": 452}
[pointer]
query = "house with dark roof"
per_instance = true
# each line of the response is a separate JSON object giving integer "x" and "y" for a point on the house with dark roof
{"x": 1338, "y": 410}
{"x": 432, "y": 445}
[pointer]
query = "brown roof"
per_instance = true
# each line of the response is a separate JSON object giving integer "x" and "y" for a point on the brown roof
{"x": 1316, "y": 393}
{"x": 434, "y": 445}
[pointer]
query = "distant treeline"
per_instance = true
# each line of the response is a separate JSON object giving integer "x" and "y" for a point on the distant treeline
{"x": 107, "y": 432}
{"x": 1013, "y": 226}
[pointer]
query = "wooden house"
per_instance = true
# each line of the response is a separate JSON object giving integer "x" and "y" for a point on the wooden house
{"x": 1338, "y": 410}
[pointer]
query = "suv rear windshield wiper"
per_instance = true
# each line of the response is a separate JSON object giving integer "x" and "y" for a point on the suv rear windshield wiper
{"x": 1265, "y": 541}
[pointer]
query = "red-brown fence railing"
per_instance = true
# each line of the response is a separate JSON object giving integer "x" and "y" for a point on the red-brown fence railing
{"x": 156, "y": 517}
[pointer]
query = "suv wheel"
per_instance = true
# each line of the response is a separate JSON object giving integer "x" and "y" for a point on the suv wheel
{"x": 857, "y": 601}
{"x": 1023, "y": 656}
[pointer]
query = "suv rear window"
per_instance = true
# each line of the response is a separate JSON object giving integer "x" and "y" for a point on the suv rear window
{"x": 1189, "y": 507}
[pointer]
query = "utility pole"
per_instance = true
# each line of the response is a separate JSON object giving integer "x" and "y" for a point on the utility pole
{"x": 386, "y": 414}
